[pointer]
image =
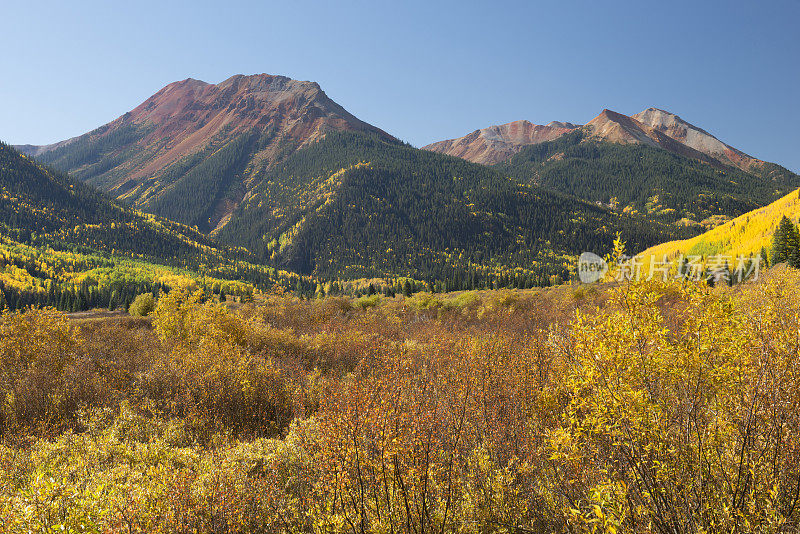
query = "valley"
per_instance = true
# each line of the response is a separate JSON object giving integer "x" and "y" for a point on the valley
{"x": 399, "y": 268}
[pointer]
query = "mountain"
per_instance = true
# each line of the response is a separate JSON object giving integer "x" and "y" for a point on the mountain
{"x": 616, "y": 162}
{"x": 653, "y": 164}
{"x": 652, "y": 127}
{"x": 662, "y": 129}
{"x": 348, "y": 205}
{"x": 49, "y": 219}
{"x": 696, "y": 138}
{"x": 193, "y": 150}
{"x": 355, "y": 205}
{"x": 497, "y": 143}
{"x": 615, "y": 127}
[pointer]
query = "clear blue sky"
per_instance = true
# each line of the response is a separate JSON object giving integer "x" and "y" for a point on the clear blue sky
{"x": 422, "y": 71}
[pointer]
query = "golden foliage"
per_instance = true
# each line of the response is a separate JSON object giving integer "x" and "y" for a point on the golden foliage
{"x": 648, "y": 407}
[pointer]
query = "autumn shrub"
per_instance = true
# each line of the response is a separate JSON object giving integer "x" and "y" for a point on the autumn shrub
{"x": 646, "y": 408}
{"x": 128, "y": 474}
{"x": 43, "y": 374}
{"x": 424, "y": 431}
{"x": 462, "y": 302}
{"x": 330, "y": 308}
{"x": 425, "y": 301}
{"x": 142, "y": 305}
{"x": 288, "y": 312}
{"x": 679, "y": 429}
{"x": 221, "y": 373}
{"x": 366, "y": 302}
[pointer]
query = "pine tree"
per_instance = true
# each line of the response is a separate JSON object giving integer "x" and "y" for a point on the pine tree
{"x": 407, "y": 289}
{"x": 786, "y": 243}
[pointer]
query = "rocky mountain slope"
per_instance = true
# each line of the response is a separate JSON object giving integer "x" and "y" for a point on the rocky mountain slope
{"x": 497, "y": 143}
{"x": 354, "y": 205}
{"x": 696, "y": 138}
{"x": 193, "y": 150}
{"x": 652, "y": 127}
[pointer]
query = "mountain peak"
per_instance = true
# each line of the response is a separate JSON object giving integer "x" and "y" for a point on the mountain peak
{"x": 696, "y": 138}
{"x": 565, "y": 125}
{"x": 499, "y": 142}
{"x": 260, "y": 118}
{"x": 618, "y": 128}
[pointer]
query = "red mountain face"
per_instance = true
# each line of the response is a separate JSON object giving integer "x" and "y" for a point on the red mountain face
{"x": 190, "y": 114}
{"x": 652, "y": 127}
{"x": 696, "y": 138}
{"x": 498, "y": 143}
{"x": 145, "y": 152}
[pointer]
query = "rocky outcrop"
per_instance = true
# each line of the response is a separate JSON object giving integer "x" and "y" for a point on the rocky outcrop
{"x": 498, "y": 143}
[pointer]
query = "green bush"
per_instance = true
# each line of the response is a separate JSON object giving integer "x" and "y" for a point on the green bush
{"x": 142, "y": 305}
{"x": 368, "y": 302}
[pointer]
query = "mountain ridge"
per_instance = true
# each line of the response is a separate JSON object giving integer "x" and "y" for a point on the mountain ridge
{"x": 496, "y": 143}
{"x": 653, "y": 126}
{"x": 143, "y": 155}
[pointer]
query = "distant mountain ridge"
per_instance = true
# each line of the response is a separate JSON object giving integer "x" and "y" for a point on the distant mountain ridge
{"x": 653, "y": 127}
{"x": 497, "y": 143}
{"x": 273, "y": 165}
{"x": 192, "y": 138}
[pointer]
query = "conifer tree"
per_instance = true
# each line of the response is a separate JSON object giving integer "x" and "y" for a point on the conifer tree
{"x": 785, "y": 243}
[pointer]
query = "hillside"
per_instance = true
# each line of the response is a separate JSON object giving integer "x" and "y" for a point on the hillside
{"x": 354, "y": 205}
{"x": 743, "y": 236}
{"x": 652, "y": 163}
{"x": 646, "y": 179}
{"x": 57, "y": 233}
{"x": 193, "y": 150}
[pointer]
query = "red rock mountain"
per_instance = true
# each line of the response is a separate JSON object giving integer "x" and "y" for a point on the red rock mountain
{"x": 614, "y": 127}
{"x": 696, "y": 138}
{"x": 653, "y": 127}
{"x": 498, "y": 143}
{"x": 231, "y": 130}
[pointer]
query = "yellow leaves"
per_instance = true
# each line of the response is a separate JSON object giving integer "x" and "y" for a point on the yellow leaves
{"x": 603, "y": 512}
{"x": 653, "y": 397}
{"x": 174, "y": 312}
{"x": 742, "y": 236}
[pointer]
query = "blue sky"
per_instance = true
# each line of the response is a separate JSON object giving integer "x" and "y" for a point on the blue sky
{"x": 423, "y": 71}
